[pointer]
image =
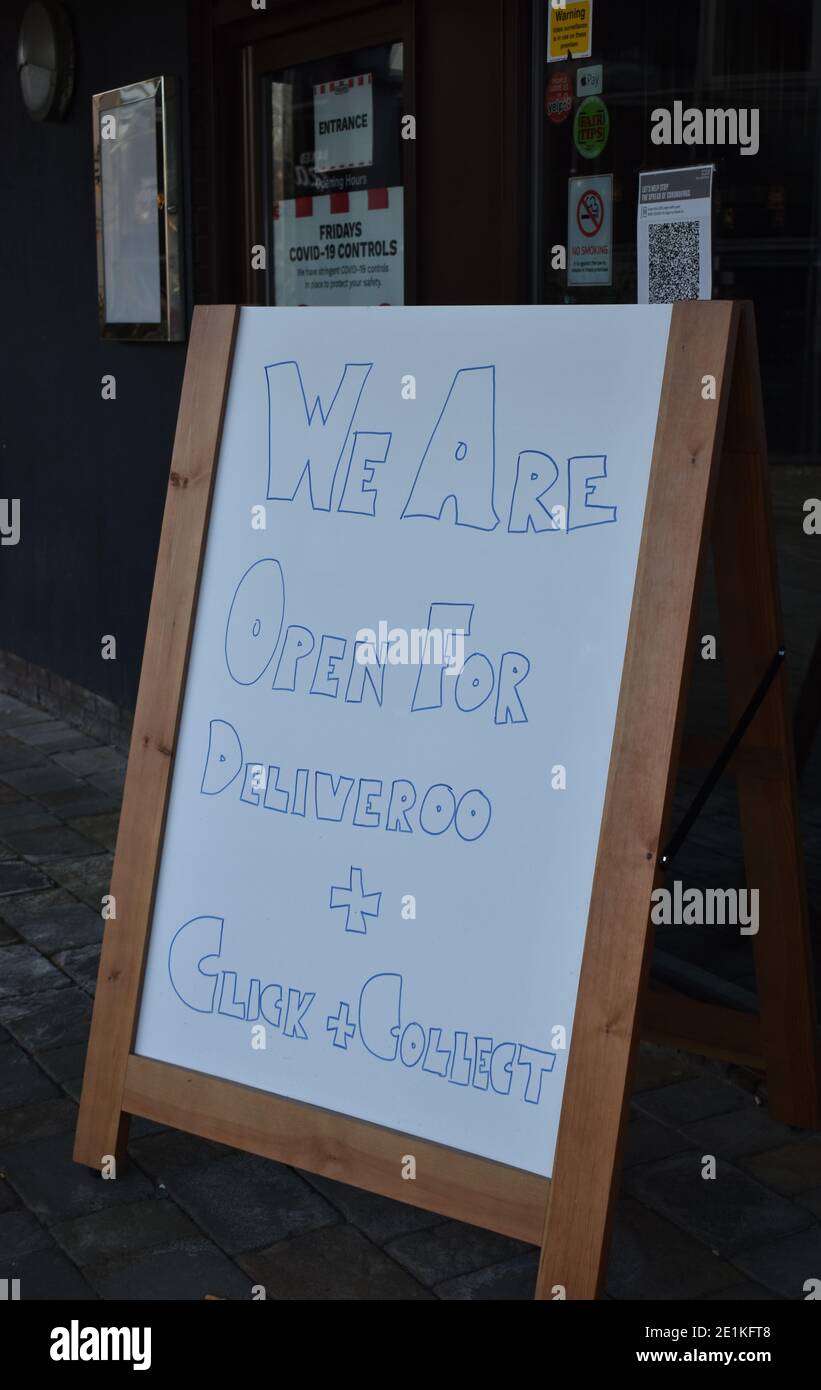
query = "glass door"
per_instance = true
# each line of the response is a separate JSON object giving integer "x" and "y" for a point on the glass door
{"x": 329, "y": 178}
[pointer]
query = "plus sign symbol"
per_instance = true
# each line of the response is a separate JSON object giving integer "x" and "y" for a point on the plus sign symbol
{"x": 356, "y": 902}
{"x": 340, "y": 1025}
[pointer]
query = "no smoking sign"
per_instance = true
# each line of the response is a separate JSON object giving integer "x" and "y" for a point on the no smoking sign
{"x": 589, "y": 213}
{"x": 589, "y": 230}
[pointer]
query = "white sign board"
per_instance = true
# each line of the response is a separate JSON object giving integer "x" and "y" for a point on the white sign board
{"x": 340, "y": 248}
{"x": 343, "y": 124}
{"x": 380, "y": 846}
{"x": 590, "y": 230}
{"x": 674, "y": 234}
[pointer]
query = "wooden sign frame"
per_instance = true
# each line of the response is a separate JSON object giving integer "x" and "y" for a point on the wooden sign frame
{"x": 568, "y": 1214}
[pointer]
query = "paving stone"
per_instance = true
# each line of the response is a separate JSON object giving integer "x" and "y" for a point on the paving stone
{"x": 68, "y": 924}
{"x": 16, "y": 876}
{"x": 107, "y": 1235}
{"x": 7, "y": 935}
{"x": 20, "y": 1080}
{"x": 50, "y": 736}
{"x": 37, "y": 1121}
{"x": 9, "y": 1201}
{"x": 28, "y": 715}
{"x": 12, "y": 709}
{"x": 8, "y": 794}
{"x": 110, "y": 783}
{"x": 726, "y": 1213}
{"x": 25, "y": 971}
{"x": 87, "y": 761}
{"x": 336, "y": 1263}
{"x": 88, "y": 878}
{"x": 811, "y": 1200}
{"x": 795, "y": 1167}
{"x": 451, "y": 1249}
{"x": 139, "y": 1127}
{"x": 81, "y": 800}
{"x": 380, "y": 1218}
{"x": 102, "y": 829}
{"x": 82, "y": 964}
{"x": 63, "y": 1063}
{"x": 24, "y": 815}
{"x": 785, "y": 1265}
{"x": 56, "y": 1188}
{"x": 191, "y": 1270}
{"x": 41, "y": 779}
{"x": 739, "y": 1132}
{"x": 650, "y": 1259}
{"x": 21, "y": 1234}
{"x": 696, "y": 1099}
{"x": 646, "y": 1140}
{"x": 19, "y": 909}
{"x": 14, "y": 756}
{"x": 244, "y": 1202}
{"x": 741, "y": 1293}
{"x": 513, "y": 1280}
{"x": 50, "y": 842}
{"x": 164, "y": 1152}
{"x": 41, "y": 1021}
{"x": 47, "y": 1275}
{"x": 657, "y": 1066}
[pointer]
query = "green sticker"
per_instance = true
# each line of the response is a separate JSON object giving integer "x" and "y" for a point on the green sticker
{"x": 591, "y": 127}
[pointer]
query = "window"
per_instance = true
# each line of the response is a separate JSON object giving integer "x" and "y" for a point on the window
{"x": 767, "y": 208}
{"x": 332, "y": 183}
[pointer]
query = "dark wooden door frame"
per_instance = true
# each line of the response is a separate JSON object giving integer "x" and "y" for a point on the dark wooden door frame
{"x": 390, "y": 23}
{"x": 468, "y": 176}
{"x": 229, "y": 47}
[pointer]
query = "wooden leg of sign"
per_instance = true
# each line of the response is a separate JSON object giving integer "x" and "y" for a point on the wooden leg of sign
{"x": 751, "y": 633}
{"x": 712, "y": 1030}
{"x": 636, "y": 810}
{"x": 102, "y": 1127}
{"x": 808, "y": 709}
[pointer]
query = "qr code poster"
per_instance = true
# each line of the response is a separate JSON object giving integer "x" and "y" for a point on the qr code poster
{"x": 674, "y": 239}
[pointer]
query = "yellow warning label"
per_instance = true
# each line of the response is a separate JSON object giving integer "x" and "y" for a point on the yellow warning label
{"x": 570, "y": 29}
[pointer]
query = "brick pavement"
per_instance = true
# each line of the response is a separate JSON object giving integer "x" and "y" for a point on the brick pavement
{"x": 192, "y": 1218}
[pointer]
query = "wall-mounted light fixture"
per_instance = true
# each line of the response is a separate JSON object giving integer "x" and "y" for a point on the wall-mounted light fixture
{"x": 45, "y": 60}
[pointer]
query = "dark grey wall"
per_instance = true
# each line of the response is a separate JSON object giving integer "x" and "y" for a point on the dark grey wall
{"x": 90, "y": 474}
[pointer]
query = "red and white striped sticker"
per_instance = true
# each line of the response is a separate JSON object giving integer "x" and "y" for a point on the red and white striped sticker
{"x": 343, "y": 84}
{"x": 378, "y": 199}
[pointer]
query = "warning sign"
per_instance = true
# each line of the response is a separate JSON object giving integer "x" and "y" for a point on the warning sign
{"x": 569, "y": 29}
{"x": 558, "y": 99}
{"x": 589, "y": 230}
